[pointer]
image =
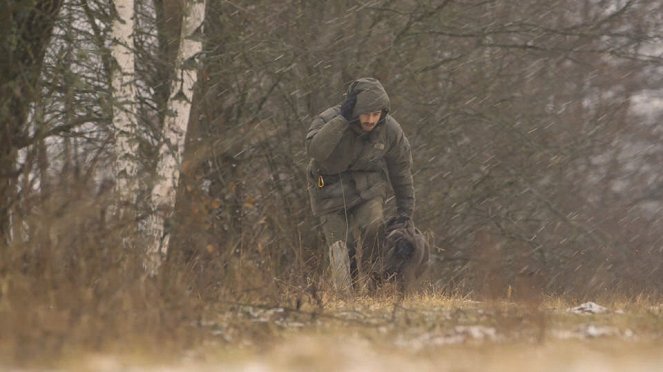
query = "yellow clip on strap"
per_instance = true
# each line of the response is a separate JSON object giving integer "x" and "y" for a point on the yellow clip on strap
{"x": 321, "y": 182}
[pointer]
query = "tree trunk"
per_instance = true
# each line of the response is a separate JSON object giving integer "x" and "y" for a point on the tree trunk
{"x": 25, "y": 30}
{"x": 124, "y": 105}
{"x": 174, "y": 131}
{"x": 169, "y": 14}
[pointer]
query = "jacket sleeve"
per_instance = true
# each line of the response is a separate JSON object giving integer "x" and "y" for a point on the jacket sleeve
{"x": 324, "y": 134}
{"x": 399, "y": 165}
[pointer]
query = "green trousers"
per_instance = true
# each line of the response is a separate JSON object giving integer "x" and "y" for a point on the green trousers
{"x": 359, "y": 228}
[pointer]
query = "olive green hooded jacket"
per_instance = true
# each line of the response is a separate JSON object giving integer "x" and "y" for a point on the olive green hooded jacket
{"x": 349, "y": 166}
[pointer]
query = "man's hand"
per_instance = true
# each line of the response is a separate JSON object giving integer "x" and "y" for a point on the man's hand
{"x": 399, "y": 220}
{"x": 348, "y": 106}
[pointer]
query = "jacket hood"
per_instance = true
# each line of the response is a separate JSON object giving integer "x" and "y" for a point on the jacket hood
{"x": 371, "y": 96}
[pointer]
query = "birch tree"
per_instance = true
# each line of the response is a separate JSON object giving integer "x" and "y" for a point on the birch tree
{"x": 174, "y": 131}
{"x": 124, "y": 98}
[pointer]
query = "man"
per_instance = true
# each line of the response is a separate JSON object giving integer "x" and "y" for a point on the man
{"x": 357, "y": 151}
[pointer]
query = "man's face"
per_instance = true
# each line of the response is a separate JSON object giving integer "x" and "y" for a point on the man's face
{"x": 369, "y": 121}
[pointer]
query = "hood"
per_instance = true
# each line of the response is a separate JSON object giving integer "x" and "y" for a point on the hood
{"x": 371, "y": 96}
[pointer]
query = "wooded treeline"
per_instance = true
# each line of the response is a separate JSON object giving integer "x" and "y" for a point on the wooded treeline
{"x": 533, "y": 124}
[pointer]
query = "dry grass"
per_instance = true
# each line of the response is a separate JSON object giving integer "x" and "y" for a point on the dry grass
{"x": 118, "y": 319}
{"x": 82, "y": 301}
{"x": 422, "y": 332}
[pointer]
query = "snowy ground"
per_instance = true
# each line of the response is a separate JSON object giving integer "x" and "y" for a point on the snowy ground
{"x": 422, "y": 334}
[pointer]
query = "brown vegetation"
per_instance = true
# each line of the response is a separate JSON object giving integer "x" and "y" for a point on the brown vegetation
{"x": 537, "y": 165}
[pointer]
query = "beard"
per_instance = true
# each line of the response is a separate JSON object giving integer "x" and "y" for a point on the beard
{"x": 367, "y": 126}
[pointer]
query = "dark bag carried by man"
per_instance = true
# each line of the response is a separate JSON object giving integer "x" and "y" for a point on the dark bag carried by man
{"x": 406, "y": 252}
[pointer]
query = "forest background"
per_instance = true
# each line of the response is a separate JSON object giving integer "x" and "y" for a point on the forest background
{"x": 534, "y": 128}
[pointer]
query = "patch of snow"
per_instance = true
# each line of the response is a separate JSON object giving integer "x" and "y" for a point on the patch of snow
{"x": 262, "y": 315}
{"x": 459, "y": 335}
{"x": 588, "y": 308}
{"x": 593, "y": 331}
{"x": 589, "y": 331}
{"x": 477, "y": 332}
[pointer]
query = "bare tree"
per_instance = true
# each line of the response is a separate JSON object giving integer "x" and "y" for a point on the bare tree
{"x": 535, "y": 158}
{"x": 26, "y": 31}
{"x": 175, "y": 128}
{"x": 502, "y": 103}
{"x": 124, "y": 97}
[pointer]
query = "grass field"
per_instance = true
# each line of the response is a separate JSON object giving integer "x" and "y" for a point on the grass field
{"x": 423, "y": 332}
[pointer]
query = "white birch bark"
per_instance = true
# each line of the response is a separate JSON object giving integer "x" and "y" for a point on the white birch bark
{"x": 124, "y": 104}
{"x": 174, "y": 132}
